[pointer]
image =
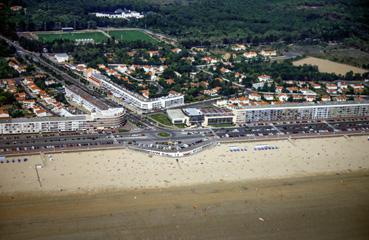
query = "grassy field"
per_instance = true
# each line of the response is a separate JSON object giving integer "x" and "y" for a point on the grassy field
{"x": 164, "y": 134}
{"x": 131, "y": 35}
{"x": 161, "y": 118}
{"x": 329, "y": 66}
{"x": 98, "y": 37}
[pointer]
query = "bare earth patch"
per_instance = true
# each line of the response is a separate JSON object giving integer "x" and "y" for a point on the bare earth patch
{"x": 328, "y": 66}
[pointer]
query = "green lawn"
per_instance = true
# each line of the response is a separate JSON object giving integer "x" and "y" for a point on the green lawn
{"x": 131, "y": 35}
{"x": 161, "y": 118}
{"x": 164, "y": 134}
{"x": 98, "y": 37}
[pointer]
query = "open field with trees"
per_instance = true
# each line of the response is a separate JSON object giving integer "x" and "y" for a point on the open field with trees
{"x": 205, "y": 21}
{"x": 328, "y": 66}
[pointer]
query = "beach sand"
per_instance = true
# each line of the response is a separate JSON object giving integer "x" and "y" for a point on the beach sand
{"x": 94, "y": 171}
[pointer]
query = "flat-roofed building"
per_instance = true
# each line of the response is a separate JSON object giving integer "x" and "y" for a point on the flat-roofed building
{"x": 140, "y": 102}
{"x": 195, "y": 115}
{"x": 217, "y": 116}
{"x": 61, "y": 57}
{"x": 305, "y": 111}
{"x": 107, "y": 116}
{"x": 176, "y": 116}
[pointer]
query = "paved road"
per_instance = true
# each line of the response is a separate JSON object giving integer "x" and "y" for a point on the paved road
{"x": 149, "y": 138}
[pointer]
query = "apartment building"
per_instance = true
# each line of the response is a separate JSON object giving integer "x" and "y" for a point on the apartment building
{"x": 138, "y": 101}
{"x": 306, "y": 111}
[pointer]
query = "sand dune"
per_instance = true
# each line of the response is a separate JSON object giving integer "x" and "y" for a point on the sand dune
{"x": 127, "y": 169}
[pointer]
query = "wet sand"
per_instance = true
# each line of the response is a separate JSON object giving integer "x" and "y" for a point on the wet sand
{"x": 326, "y": 207}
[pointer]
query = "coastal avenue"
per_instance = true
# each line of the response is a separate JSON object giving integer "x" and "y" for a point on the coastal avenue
{"x": 149, "y": 139}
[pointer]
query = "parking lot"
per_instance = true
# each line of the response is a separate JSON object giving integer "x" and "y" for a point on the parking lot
{"x": 178, "y": 140}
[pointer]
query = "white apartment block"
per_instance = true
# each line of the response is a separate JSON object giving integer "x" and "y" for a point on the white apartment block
{"x": 304, "y": 111}
{"x": 139, "y": 101}
{"x": 101, "y": 116}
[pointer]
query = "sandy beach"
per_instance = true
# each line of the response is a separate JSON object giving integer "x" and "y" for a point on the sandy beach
{"x": 94, "y": 171}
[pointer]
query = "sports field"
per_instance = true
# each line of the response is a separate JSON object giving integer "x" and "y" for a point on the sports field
{"x": 98, "y": 37}
{"x": 131, "y": 35}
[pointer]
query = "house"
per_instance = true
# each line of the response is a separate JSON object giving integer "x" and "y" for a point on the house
{"x": 28, "y": 103}
{"x": 169, "y": 81}
{"x": 224, "y": 70}
{"x": 173, "y": 93}
{"x": 145, "y": 93}
{"x": 238, "y": 47}
{"x": 211, "y": 92}
{"x": 342, "y": 85}
{"x": 4, "y": 113}
{"x": 268, "y": 53}
{"x": 198, "y": 49}
{"x": 264, "y": 78}
{"x": 209, "y": 60}
{"x": 16, "y": 8}
{"x": 297, "y": 97}
{"x": 176, "y": 50}
{"x": 358, "y": 88}
{"x": 254, "y": 96}
{"x": 340, "y": 98}
{"x": 61, "y": 57}
{"x": 204, "y": 84}
{"x": 331, "y": 88}
{"x": 292, "y": 89}
{"x": 11, "y": 86}
{"x": 283, "y": 97}
{"x": 40, "y": 112}
{"x": 250, "y": 54}
{"x": 81, "y": 67}
{"x": 315, "y": 86}
{"x": 310, "y": 98}
{"x": 279, "y": 89}
{"x": 20, "y": 96}
{"x": 268, "y": 97}
{"x": 153, "y": 53}
{"x": 33, "y": 88}
{"x": 325, "y": 98}
{"x": 307, "y": 92}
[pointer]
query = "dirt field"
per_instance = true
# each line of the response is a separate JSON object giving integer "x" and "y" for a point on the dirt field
{"x": 326, "y": 207}
{"x": 329, "y": 66}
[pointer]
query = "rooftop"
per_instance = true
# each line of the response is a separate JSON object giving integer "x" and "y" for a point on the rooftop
{"x": 216, "y": 112}
{"x": 93, "y": 100}
{"x": 175, "y": 113}
{"x": 192, "y": 112}
{"x": 43, "y": 119}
